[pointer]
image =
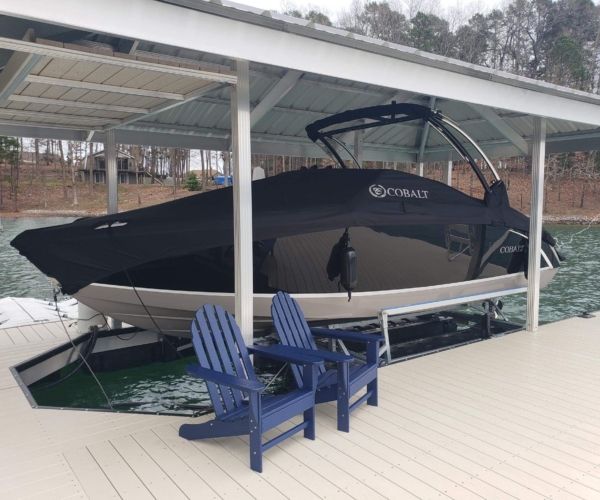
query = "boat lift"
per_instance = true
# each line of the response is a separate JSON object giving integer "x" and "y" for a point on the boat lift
{"x": 433, "y": 306}
{"x": 384, "y": 316}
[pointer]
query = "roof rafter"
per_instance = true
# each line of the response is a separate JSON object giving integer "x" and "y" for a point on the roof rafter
{"x": 16, "y": 70}
{"x": 58, "y": 116}
{"x": 501, "y": 126}
{"x": 55, "y": 49}
{"x": 77, "y": 104}
{"x": 209, "y": 87}
{"x": 74, "y": 84}
{"x": 278, "y": 92}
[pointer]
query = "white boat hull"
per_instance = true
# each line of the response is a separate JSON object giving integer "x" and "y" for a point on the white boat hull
{"x": 173, "y": 310}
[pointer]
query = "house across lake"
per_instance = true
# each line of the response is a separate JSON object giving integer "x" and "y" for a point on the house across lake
{"x": 126, "y": 167}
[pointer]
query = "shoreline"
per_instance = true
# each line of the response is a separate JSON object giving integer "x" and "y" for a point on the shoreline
{"x": 567, "y": 220}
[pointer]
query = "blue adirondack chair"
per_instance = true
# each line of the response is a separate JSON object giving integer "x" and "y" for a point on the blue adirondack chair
{"x": 226, "y": 367}
{"x": 332, "y": 385}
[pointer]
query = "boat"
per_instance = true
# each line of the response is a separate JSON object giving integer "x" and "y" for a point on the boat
{"x": 344, "y": 242}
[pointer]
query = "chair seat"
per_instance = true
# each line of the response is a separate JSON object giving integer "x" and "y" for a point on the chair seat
{"x": 270, "y": 404}
{"x": 330, "y": 376}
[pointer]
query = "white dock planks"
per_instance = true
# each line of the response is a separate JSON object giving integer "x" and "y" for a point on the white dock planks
{"x": 36, "y": 332}
{"x": 516, "y": 417}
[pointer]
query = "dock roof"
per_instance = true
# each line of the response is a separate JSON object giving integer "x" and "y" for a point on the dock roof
{"x": 159, "y": 73}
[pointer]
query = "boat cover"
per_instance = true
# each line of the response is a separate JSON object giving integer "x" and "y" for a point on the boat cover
{"x": 91, "y": 249}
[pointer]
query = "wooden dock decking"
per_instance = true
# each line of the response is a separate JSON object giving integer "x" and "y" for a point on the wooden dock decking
{"x": 513, "y": 417}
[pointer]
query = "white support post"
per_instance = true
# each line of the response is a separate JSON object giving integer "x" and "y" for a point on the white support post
{"x": 358, "y": 146}
{"x": 538, "y": 150}
{"x": 110, "y": 163}
{"x": 423, "y": 143}
{"x": 448, "y": 171}
{"x": 242, "y": 201}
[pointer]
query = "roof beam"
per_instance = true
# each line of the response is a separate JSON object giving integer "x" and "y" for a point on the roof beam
{"x": 58, "y": 116}
{"x": 209, "y": 87}
{"x": 77, "y": 104}
{"x": 31, "y": 125}
{"x": 128, "y": 46}
{"x": 270, "y": 74}
{"x": 267, "y": 41}
{"x": 278, "y": 92}
{"x": 16, "y": 70}
{"x": 74, "y": 84}
{"x": 58, "y": 51}
{"x": 501, "y": 126}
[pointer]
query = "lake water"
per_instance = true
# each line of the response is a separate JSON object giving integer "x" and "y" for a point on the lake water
{"x": 575, "y": 289}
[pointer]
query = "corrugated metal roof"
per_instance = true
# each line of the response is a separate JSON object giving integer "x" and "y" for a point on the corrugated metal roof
{"x": 312, "y": 97}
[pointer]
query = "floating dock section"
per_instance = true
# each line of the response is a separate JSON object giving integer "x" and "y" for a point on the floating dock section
{"x": 511, "y": 417}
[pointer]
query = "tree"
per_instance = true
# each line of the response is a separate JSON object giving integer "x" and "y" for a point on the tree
{"x": 9, "y": 155}
{"x": 379, "y": 20}
{"x": 192, "y": 184}
{"x": 431, "y": 34}
{"x": 472, "y": 40}
{"x": 310, "y": 13}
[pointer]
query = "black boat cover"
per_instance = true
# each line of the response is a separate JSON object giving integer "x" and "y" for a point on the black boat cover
{"x": 89, "y": 250}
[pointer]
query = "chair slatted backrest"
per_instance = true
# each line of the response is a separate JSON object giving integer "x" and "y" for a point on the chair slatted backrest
{"x": 219, "y": 346}
{"x": 292, "y": 328}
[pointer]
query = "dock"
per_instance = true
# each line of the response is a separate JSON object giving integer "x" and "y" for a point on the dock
{"x": 511, "y": 417}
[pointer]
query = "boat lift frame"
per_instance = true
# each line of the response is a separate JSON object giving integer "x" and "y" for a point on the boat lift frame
{"x": 433, "y": 306}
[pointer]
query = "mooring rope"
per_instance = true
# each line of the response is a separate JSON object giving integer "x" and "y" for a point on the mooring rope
{"x": 79, "y": 352}
{"x": 558, "y": 245}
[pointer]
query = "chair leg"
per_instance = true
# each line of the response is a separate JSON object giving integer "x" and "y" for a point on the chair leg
{"x": 343, "y": 397}
{"x": 373, "y": 399}
{"x": 310, "y": 376}
{"x": 310, "y": 416}
{"x": 255, "y": 423}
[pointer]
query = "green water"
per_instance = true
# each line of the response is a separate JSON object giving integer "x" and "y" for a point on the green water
{"x": 153, "y": 388}
{"x": 167, "y": 387}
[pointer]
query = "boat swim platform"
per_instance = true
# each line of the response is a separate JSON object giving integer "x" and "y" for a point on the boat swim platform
{"x": 514, "y": 417}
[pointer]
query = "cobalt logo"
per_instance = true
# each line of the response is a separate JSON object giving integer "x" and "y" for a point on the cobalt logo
{"x": 377, "y": 191}
{"x": 512, "y": 249}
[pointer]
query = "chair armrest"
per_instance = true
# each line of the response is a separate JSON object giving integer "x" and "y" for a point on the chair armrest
{"x": 343, "y": 335}
{"x": 241, "y": 384}
{"x": 287, "y": 355}
{"x": 335, "y": 357}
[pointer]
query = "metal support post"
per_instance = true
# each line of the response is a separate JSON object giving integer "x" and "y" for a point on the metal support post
{"x": 385, "y": 348}
{"x": 110, "y": 161}
{"x": 358, "y": 146}
{"x": 448, "y": 171}
{"x": 242, "y": 200}
{"x": 538, "y": 153}
{"x": 423, "y": 141}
